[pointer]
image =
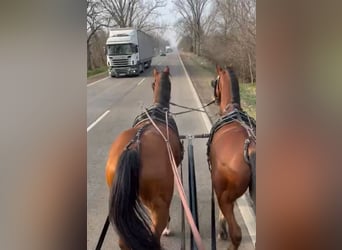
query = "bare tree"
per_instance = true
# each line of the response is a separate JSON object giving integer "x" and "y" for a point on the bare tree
{"x": 245, "y": 18}
{"x": 183, "y": 28}
{"x": 133, "y": 13}
{"x": 230, "y": 38}
{"x": 98, "y": 44}
{"x": 192, "y": 12}
{"x": 95, "y": 21}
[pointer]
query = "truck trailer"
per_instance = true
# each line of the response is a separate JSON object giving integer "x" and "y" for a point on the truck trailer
{"x": 129, "y": 51}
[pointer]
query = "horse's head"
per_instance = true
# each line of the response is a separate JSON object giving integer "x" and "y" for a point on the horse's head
{"x": 161, "y": 87}
{"x": 214, "y": 84}
{"x": 226, "y": 88}
{"x": 217, "y": 84}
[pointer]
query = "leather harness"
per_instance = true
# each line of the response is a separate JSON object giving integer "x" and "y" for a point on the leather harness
{"x": 236, "y": 115}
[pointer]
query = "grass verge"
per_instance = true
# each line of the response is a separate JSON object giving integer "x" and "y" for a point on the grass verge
{"x": 247, "y": 90}
{"x": 248, "y": 98}
{"x": 96, "y": 71}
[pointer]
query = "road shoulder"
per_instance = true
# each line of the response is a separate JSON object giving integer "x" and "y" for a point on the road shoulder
{"x": 97, "y": 77}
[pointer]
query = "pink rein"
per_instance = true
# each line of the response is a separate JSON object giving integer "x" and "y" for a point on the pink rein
{"x": 179, "y": 185}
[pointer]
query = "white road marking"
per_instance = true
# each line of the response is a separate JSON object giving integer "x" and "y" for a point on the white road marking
{"x": 248, "y": 216}
{"x": 140, "y": 82}
{"x": 97, "y": 120}
{"x": 90, "y": 84}
{"x": 159, "y": 63}
{"x": 105, "y": 113}
{"x": 246, "y": 211}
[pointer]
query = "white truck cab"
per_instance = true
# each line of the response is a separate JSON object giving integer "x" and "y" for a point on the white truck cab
{"x": 129, "y": 52}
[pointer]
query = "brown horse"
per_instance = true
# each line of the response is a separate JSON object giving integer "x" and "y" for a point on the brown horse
{"x": 140, "y": 176}
{"x": 231, "y": 153}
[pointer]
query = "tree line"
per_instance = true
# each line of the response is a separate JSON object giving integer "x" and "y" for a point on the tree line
{"x": 224, "y": 31}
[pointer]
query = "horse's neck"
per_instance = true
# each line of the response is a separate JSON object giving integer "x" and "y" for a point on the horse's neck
{"x": 226, "y": 97}
{"x": 160, "y": 100}
{"x": 161, "y": 104}
{"x": 155, "y": 100}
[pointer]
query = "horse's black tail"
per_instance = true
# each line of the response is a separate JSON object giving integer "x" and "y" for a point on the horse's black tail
{"x": 126, "y": 211}
{"x": 252, "y": 184}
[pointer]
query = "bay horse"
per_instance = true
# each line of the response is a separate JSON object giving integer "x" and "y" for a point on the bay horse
{"x": 231, "y": 153}
{"x": 139, "y": 173}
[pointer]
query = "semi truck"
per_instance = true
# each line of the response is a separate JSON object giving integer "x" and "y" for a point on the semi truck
{"x": 168, "y": 49}
{"x": 129, "y": 51}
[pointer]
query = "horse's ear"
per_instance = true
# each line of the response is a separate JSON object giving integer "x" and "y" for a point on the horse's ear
{"x": 229, "y": 66}
{"x": 155, "y": 72}
{"x": 167, "y": 70}
{"x": 218, "y": 69}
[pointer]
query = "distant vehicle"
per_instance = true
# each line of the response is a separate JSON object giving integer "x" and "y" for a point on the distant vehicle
{"x": 129, "y": 51}
{"x": 162, "y": 53}
{"x": 168, "y": 49}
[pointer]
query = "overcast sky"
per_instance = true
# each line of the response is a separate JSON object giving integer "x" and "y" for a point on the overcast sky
{"x": 169, "y": 16}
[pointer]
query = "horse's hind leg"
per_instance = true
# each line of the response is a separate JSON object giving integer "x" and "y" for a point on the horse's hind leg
{"x": 122, "y": 245}
{"x": 222, "y": 229}
{"x": 160, "y": 217}
{"x": 167, "y": 230}
{"x": 233, "y": 228}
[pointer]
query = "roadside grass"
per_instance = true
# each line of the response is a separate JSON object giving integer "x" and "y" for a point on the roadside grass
{"x": 247, "y": 90}
{"x": 248, "y": 98}
{"x": 96, "y": 71}
{"x": 204, "y": 64}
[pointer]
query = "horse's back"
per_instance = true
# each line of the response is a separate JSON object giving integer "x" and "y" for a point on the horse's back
{"x": 155, "y": 162}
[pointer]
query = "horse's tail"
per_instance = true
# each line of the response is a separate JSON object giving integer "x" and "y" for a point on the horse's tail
{"x": 252, "y": 184}
{"x": 126, "y": 211}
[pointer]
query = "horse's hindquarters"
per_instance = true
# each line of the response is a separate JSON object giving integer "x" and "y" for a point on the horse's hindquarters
{"x": 231, "y": 176}
{"x": 230, "y": 172}
{"x": 115, "y": 152}
{"x": 156, "y": 170}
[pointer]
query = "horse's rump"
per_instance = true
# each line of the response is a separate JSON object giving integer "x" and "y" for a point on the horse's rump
{"x": 239, "y": 117}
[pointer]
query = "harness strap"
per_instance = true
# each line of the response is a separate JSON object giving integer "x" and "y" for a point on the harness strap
{"x": 189, "y": 109}
{"x": 180, "y": 188}
{"x": 247, "y": 122}
{"x": 136, "y": 138}
{"x": 245, "y": 151}
{"x": 157, "y": 113}
{"x": 103, "y": 234}
{"x": 213, "y": 226}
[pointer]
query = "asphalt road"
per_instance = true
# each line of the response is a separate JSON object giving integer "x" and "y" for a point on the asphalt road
{"x": 112, "y": 104}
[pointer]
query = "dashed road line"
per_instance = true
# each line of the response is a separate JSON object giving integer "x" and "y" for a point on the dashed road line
{"x": 141, "y": 82}
{"x": 91, "y": 84}
{"x": 97, "y": 120}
